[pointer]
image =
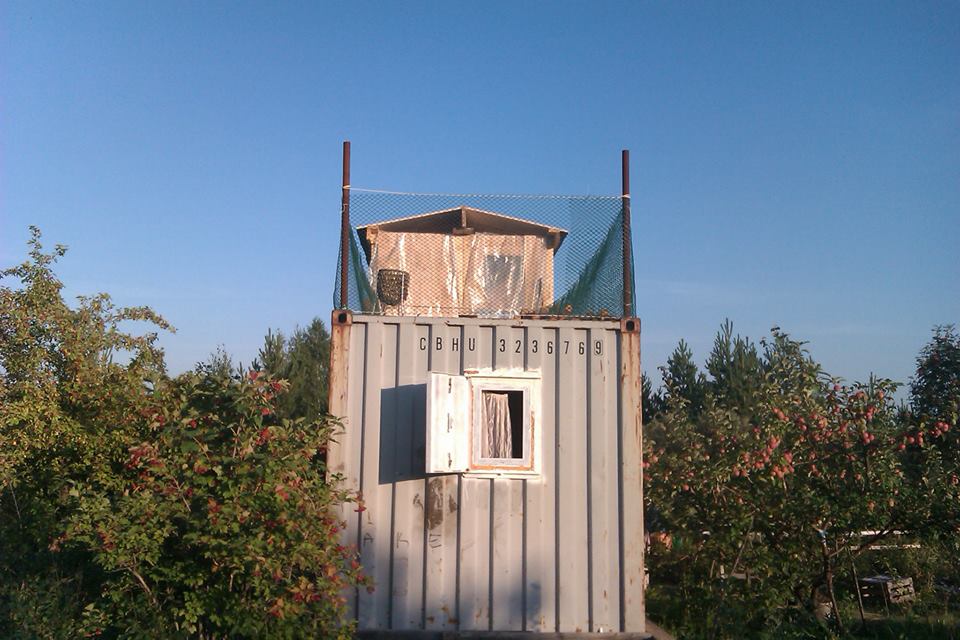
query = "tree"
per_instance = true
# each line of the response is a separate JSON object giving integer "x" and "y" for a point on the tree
{"x": 784, "y": 491}
{"x": 304, "y": 360}
{"x": 273, "y": 355}
{"x": 651, "y": 402}
{"x": 935, "y": 388}
{"x": 219, "y": 365}
{"x": 683, "y": 380}
{"x": 72, "y": 386}
{"x": 736, "y": 371}
{"x": 134, "y": 505}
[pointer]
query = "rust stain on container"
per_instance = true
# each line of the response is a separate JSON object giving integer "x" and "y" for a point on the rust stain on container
{"x": 434, "y": 503}
{"x": 450, "y": 618}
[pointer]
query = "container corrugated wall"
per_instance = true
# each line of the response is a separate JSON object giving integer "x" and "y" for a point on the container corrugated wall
{"x": 562, "y": 553}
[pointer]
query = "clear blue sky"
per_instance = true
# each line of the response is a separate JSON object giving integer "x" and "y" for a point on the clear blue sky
{"x": 794, "y": 164}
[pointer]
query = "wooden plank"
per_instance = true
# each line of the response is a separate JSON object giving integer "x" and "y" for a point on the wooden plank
{"x": 442, "y": 504}
{"x": 408, "y": 517}
{"x": 508, "y": 508}
{"x": 380, "y": 364}
{"x": 474, "y": 587}
{"x": 540, "y": 546}
{"x": 571, "y": 477}
{"x": 634, "y": 617}
{"x": 604, "y": 502}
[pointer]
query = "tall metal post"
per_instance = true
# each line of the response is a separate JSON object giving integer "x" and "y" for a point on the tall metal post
{"x": 345, "y": 225}
{"x": 627, "y": 242}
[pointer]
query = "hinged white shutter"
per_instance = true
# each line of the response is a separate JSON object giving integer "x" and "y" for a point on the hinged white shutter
{"x": 448, "y": 414}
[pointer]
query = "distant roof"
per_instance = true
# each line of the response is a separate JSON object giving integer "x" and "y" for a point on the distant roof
{"x": 461, "y": 220}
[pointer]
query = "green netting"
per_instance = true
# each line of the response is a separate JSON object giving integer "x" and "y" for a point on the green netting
{"x": 485, "y": 255}
{"x": 593, "y": 291}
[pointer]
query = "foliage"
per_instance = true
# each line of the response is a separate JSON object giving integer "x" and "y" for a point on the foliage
{"x": 71, "y": 383}
{"x": 304, "y": 360}
{"x": 138, "y": 506}
{"x": 221, "y": 523}
{"x": 935, "y": 389}
{"x": 651, "y": 402}
{"x": 219, "y": 365}
{"x": 736, "y": 371}
{"x": 684, "y": 381}
{"x": 766, "y": 491}
{"x": 68, "y": 374}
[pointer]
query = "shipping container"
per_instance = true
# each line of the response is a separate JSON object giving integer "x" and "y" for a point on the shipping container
{"x": 499, "y": 463}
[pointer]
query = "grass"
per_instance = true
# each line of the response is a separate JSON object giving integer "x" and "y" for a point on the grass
{"x": 904, "y": 625}
{"x": 686, "y": 621}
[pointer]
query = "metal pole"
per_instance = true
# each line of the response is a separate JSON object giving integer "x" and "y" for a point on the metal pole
{"x": 856, "y": 584}
{"x": 627, "y": 243}
{"x": 345, "y": 224}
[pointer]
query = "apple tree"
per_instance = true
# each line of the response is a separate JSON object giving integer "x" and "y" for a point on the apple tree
{"x": 765, "y": 502}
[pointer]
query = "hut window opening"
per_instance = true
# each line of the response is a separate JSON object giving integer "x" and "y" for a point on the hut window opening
{"x": 502, "y": 273}
{"x": 501, "y": 424}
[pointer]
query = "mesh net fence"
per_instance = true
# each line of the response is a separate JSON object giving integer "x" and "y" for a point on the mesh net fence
{"x": 484, "y": 255}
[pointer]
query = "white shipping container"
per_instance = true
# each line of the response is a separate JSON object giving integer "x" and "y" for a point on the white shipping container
{"x": 499, "y": 462}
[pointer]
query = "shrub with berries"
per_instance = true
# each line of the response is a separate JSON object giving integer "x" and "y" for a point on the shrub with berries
{"x": 222, "y": 523}
{"x": 135, "y": 505}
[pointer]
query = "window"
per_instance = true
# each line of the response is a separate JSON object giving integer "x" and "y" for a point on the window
{"x": 483, "y": 423}
{"x": 502, "y": 273}
{"x": 501, "y": 284}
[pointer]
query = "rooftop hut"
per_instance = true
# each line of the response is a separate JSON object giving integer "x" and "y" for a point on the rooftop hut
{"x": 461, "y": 262}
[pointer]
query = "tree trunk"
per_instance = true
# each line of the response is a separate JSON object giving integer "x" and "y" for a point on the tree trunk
{"x": 828, "y": 579}
{"x": 833, "y": 597}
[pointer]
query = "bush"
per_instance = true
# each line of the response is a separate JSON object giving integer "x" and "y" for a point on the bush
{"x": 222, "y": 522}
{"x": 133, "y": 505}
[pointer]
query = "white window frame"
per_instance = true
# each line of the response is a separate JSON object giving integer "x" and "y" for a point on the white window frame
{"x": 481, "y": 385}
{"x": 454, "y": 431}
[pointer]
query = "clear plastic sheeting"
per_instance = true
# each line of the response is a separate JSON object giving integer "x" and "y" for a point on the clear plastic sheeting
{"x": 485, "y": 256}
{"x": 497, "y": 432}
{"x": 479, "y": 274}
{"x": 504, "y": 274}
{"x": 430, "y": 262}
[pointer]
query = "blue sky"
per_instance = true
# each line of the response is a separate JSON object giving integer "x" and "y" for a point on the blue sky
{"x": 794, "y": 164}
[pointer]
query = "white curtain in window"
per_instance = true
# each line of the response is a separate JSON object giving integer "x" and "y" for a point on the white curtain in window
{"x": 497, "y": 434}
